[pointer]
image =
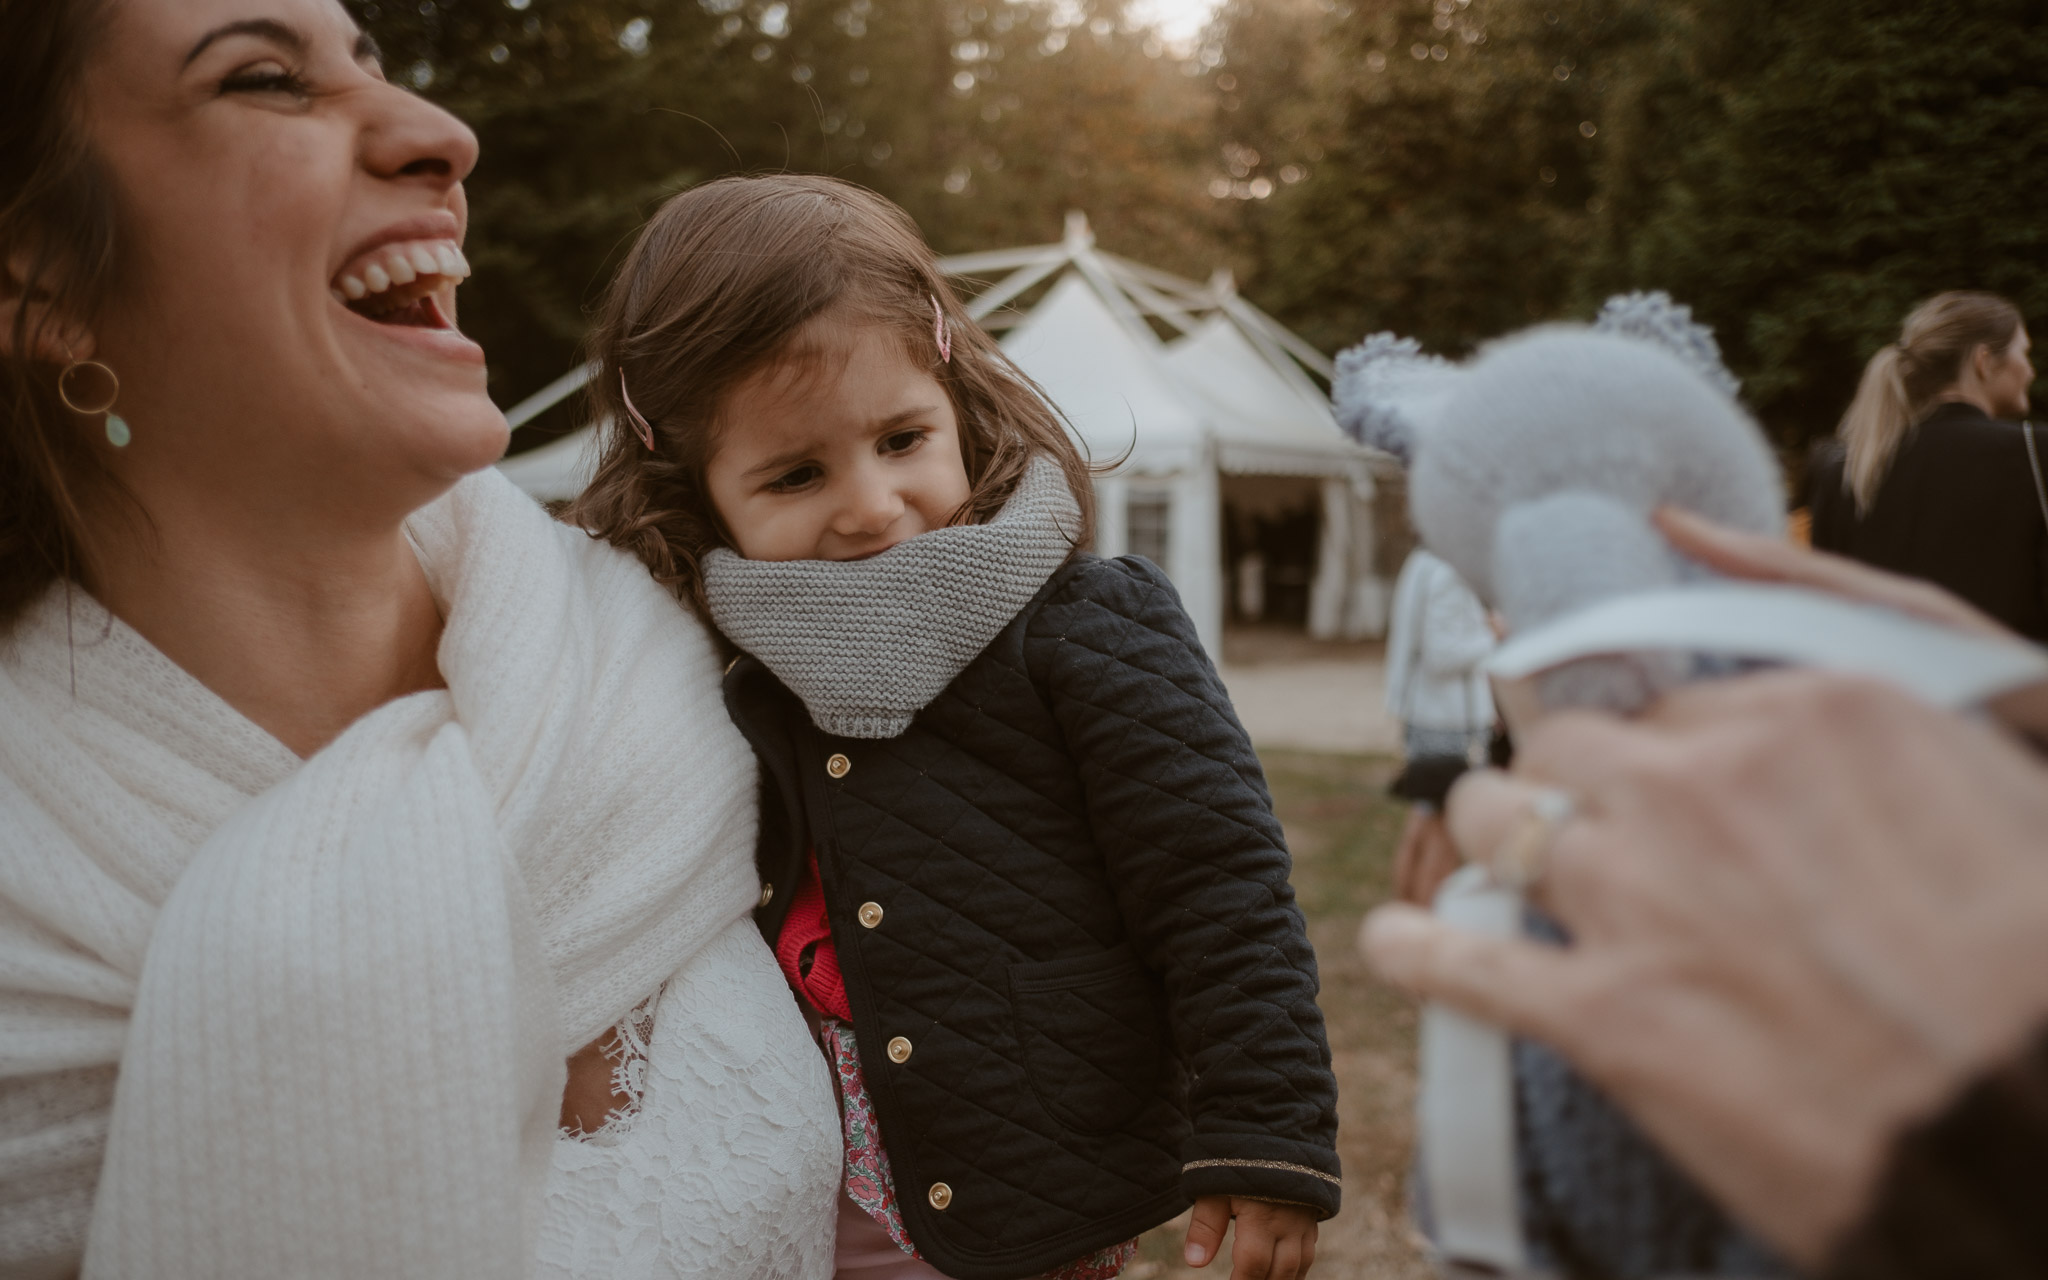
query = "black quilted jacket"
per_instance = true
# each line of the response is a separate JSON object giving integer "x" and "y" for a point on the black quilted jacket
{"x": 1081, "y": 987}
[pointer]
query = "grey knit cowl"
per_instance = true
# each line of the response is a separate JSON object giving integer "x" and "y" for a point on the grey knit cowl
{"x": 866, "y": 644}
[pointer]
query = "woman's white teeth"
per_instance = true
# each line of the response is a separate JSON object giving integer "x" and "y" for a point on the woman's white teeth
{"x": 397, "y": 266}
{"x": 339, "y": 296}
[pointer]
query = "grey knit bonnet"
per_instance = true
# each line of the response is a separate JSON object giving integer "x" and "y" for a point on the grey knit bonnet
{"x": 866, "y": 644}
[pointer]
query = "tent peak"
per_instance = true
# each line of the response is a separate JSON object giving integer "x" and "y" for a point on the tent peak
{"x": 1079, "y": 235}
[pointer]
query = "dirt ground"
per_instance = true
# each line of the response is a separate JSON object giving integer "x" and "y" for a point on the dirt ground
{"x": 1342, "y": 829}
{"x": 1309, "y": 695}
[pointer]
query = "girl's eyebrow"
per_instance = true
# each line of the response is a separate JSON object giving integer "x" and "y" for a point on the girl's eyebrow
{"x": 902, "y": 416}
{"x": 790, "y": 457}
{"x": 779, "y": 463}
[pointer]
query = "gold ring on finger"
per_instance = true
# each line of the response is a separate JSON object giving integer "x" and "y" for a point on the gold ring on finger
{"x": 1518, "y": 862}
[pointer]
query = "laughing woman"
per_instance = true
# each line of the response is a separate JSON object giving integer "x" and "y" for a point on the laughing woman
{"x": 343, "y": 799}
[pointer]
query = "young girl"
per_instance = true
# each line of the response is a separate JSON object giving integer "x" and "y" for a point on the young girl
{"x": 1019, "y": 862}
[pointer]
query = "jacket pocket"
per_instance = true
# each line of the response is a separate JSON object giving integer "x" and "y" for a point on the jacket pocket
{"x": 1091, "y": 1034}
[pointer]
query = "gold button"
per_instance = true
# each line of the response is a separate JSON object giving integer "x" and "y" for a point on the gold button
{"x": 870, "y": 914}
{"x": 899, "y": 1050}
{"x": 940, "y": 1195}
{"x": 838, "y": 766}
{"x": 767, "y": 895}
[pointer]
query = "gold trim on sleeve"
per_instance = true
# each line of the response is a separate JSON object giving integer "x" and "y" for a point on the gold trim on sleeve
{"x": 1280, "y": 1165}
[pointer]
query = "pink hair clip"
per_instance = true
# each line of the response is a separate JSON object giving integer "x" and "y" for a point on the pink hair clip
{"x": 640, "y": 426}
{"x": 940, "y": 332}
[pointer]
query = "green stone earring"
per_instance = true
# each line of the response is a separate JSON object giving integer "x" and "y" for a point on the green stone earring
{"x": 118, "y": 433}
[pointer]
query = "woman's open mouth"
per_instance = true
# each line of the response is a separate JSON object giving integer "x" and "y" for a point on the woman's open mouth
{"x": 409, "y": 284}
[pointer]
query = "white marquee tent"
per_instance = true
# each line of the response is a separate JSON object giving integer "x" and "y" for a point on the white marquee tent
{"x": 1226, "y": 393}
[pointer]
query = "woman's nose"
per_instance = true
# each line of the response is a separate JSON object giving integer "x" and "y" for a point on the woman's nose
{"x": 408, "y": 137}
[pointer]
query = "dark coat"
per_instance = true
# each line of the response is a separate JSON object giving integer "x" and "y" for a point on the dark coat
{"x": 1081, "y": 986}
{"x": 1961, "y": 1191}
{"x": 1957, "y": 507}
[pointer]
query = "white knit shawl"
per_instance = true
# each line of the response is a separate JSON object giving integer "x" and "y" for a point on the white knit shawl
{"x": 340, "y": 991}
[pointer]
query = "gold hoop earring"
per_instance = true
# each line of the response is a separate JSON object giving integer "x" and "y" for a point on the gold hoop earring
{"x": 118, "y": 433}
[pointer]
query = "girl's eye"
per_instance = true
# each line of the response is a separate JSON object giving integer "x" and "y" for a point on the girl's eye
{"x": 902, "y": 441}
{"x": 791, "y": 481}
{"x": 265, "y": 77}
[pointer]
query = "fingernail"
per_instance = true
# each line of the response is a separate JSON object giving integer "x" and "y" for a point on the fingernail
{"x": 1196, "y": 1255}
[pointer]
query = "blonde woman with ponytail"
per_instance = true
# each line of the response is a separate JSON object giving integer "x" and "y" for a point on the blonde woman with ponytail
{"x": 1933, "y": 472}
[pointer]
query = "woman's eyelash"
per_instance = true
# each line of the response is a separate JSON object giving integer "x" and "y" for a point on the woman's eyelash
{"x": 264, "y": 82}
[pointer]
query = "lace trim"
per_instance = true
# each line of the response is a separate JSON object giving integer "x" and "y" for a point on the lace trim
{"x": 1280, "y": 1165}
{"x": 628, "y": 1055}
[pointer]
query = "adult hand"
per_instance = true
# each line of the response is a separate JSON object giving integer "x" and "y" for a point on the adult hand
{"x": 1274, "y": 1241}
{"x": 1805, "y": 909}
{"x": 591, "y": 1095}
{"x": 1762, "y": 558}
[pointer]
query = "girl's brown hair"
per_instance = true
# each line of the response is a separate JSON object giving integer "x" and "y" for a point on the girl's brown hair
{"x": 721, "y": 280}
{"x": 57, "y": 250}
{"x": 1903, "y": 379}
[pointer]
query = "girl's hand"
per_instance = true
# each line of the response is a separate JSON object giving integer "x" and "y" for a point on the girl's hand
{"x": 1274, "y": 1241}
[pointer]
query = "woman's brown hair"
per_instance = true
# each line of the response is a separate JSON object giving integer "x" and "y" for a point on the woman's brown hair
{"x": 57, "y": 250}
{"x": 1902, "y": 381}
{"x": 721, "y": 280}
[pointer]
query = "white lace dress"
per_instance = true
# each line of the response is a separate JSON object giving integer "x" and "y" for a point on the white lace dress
{"x": 729, "y": 1164}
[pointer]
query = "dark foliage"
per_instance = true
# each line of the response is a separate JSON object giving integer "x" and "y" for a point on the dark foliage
{"x": 1800, "y": 171}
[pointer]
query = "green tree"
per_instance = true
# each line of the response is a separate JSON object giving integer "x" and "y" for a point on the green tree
{"x": 985, "y": 119}
{"x": 1800, "y": 172}
{"x": 1459, "y": 181}
{"x": 1818, "y": 168}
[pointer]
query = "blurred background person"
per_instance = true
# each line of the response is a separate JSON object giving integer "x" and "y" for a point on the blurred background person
{"x": 1438, "y": 636}
{"x": 1436, "y": 639}
{"x": 1933, "y": 474}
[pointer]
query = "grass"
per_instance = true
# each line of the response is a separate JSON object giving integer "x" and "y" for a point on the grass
{"x": 1342, "y": 829}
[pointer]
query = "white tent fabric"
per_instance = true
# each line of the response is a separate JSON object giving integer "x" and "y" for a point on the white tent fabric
{"x": 1115, "y": 394}
{"x": 1264, "y": 423}
{"x": 1229, "y": 395}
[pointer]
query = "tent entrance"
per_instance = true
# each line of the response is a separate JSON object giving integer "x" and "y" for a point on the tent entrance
{"x": 1272, "y": 528}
